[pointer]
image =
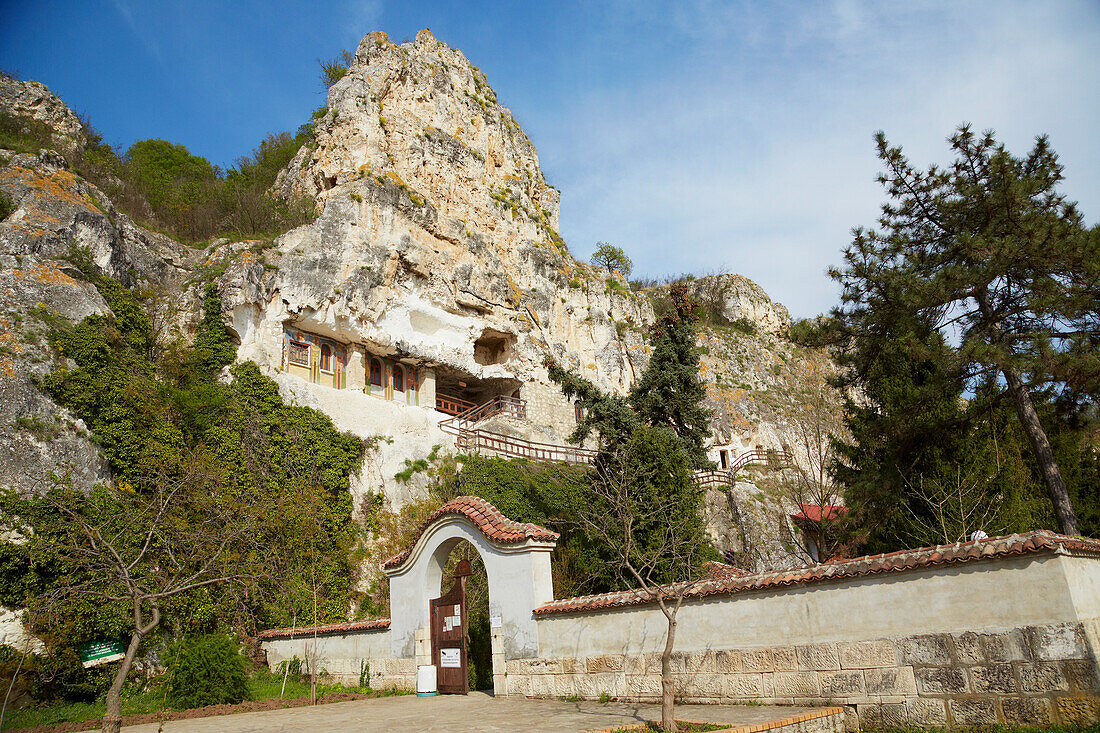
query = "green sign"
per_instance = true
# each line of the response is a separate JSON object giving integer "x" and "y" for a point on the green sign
{"x": 101, "y": 652}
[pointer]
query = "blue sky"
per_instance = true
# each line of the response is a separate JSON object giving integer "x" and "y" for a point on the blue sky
{"x": 697, "y": 135}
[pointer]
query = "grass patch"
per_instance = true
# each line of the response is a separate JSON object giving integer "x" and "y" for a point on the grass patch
{"x": 149, "y": 701}
{"x": 263, "y": 685}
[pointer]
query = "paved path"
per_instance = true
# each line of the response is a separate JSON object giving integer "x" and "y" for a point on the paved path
{"x": 475, "y": 713}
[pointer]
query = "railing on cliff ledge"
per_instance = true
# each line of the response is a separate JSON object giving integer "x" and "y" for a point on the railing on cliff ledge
{"x": 474, "y": 440}
{"x": 452, "y": 405}
{"x": 463, "y": 421}
{"x": 713, "y": 478}
{"x": 470, "y": 438}
{"x": 770, "y": 458}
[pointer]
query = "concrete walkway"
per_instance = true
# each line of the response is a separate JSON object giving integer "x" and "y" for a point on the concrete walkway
{"x": 474, "y": 713}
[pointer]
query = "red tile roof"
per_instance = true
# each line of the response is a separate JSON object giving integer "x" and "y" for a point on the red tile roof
{"x": 903, "y": 560}
{"x": 717, "y": 569}
{"x": 814, "y": 512}
{"x": 487, "y": 518}
{"x": 342, "y": 628}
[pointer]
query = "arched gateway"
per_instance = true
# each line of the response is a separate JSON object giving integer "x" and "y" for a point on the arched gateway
{"x": 516, "y": 556}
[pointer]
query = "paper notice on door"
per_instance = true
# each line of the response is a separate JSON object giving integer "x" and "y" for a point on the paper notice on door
{"x": 450, "y": 658}
{"x": 458, "y": 609}
{"x": 447, "y": 623}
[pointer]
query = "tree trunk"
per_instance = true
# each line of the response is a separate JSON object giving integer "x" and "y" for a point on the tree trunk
{"x": 668, "y": 722}
{"x": 1052, "y": 476}
{"x": 1025, "y": 411}
{"x": 112, "y": 719}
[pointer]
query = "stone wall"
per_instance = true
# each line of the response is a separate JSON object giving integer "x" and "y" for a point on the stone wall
{"x": 1002, "y": 630}
{"x": 1034, "y": 675}
{"x": 1012, "y": 639}
{"x": 817, "y": 721}
{"x": 343, "y": 657}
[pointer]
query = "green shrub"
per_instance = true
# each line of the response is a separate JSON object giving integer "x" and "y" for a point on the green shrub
{"x": 744, "y": 325}
{"x": 7, "y": 206}
{"x": 207, "y": 670}
{"x": 614, "y": 285}
{"x": 336, "y": 68}
{"x": 24, "y": 134}
{"x": 815, "y": 332}
{"x": 158, "y": 416}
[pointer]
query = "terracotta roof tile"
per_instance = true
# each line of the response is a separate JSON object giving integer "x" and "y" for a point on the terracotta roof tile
{"x": 717, "y": 569}
{"x": 814, "y": 512}
{"x": 368, "y": 625}
{"x": 488, "y": 520}
{"x": 903, "y": 560}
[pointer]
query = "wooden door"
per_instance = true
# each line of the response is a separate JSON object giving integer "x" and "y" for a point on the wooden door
{"x": 448, "y": 624}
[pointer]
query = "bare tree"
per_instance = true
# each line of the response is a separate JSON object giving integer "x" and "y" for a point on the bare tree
{"x": 656, "y": 544}
{"x": 141, "y": 548}
{"x": 966, "y": 502}
{"x": 806, "y": 410}
{"x": 953, "y": 509}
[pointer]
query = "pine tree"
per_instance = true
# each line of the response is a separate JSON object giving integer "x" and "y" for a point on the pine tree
{"x": 670, "y": 392}
{"x": 988, "y": 255}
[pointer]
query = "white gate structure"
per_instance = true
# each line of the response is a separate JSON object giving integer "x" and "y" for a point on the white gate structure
{"x": 517, "y": 562}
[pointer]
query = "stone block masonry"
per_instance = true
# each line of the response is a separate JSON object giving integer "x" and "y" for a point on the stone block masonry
{"x": 934, "y": 679}
{"x": 1006, "y": 631}
{"x": 825, "y": 720}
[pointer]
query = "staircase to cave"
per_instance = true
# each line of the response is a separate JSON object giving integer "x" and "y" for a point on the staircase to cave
{"x": 471, "y": 437}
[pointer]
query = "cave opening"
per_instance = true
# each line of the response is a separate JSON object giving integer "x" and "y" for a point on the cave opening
{"x": 457, "y": 391}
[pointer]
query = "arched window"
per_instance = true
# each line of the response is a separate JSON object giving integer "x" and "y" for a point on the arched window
{"x": 376, "y": 372}
{"x": 398, "y": 378}
{"x": 326, "y": 358}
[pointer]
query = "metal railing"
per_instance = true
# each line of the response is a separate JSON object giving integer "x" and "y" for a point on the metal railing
{"x": 774, "y": 458}
{"x": 474, "y": 440}
{"x": 452, "y": 405}
{"x": 469, "y": 438}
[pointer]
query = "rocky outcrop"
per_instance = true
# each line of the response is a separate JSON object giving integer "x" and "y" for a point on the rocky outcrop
{"x": 33, "y": 100}
{"x": 744, "y": 300}
{"x": 56, "y": 215}
{"x": 435, "y": 244}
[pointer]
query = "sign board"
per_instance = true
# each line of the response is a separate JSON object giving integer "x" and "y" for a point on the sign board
{"x": 496, "y": 622}
{"x": 450, "y": 658}
{"x": 100, "y": 652}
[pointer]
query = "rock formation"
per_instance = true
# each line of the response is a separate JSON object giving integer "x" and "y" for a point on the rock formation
{"x": 432, "y": 277}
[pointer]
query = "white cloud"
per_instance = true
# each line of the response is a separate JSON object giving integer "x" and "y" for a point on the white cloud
{"x": 360, "y": 18}
{"x": 145, "y": 38}
{"x": 755, "y": 154}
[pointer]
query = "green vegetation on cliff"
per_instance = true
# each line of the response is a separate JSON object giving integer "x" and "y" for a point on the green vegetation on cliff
{"x": 173, "y": 417}
{"x": 162, "y": 185}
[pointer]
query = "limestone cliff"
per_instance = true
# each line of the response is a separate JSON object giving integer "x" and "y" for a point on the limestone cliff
{"x": 31, "y": 100}
{"x": 432, "y": 279}
{"x": 54, "y": 212}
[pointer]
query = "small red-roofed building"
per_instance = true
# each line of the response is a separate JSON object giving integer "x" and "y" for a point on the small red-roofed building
{"x": 813, "y": 521}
